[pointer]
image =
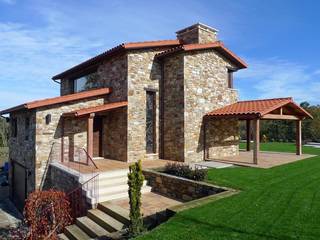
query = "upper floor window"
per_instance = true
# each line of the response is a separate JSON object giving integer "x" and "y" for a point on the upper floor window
{"x": 14, "y": 127}
{"x": 89, "y": 81}
{"x": 230, "y": 77}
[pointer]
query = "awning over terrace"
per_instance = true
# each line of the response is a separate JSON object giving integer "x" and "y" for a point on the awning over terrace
{"x": 89, "y": 114}
{"x": 265, "y": 109}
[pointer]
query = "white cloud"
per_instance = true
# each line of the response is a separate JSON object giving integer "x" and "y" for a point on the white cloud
{"x": 280, "y": 78}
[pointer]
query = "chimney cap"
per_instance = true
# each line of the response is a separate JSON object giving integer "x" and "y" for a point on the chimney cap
{"x": 201, "y": 25}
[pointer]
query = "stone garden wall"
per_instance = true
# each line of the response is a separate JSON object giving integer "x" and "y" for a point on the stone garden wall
{"x": 179, "y": 188}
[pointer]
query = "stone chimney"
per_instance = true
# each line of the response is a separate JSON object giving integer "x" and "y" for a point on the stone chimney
{"x": 197, "y": 33}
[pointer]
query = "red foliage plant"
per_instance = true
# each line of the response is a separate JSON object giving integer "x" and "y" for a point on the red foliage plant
{"x": 47, "y": 213}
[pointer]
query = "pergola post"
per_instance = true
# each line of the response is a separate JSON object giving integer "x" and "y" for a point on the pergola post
{"x": 90, "y": 135}
{"x": 256, "y": 140}
{"x": 298, "y": 138}
{"x": 248, "y": 129}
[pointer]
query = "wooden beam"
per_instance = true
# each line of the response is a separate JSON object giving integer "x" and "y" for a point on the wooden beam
{"x": 279, "y": 117}
{"x": 248, "y": 129}
{"x": 298, "y": 138}
{"x": 90, "y": 135}
{"x": 256, "y": 148}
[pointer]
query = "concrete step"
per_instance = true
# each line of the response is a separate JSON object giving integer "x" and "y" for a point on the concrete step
{"x": 91, "y": 228}
{"x": 105, "y": 182}
{"x": 113, "y": 174}
{"x": 73, "y": 232}
{"x": 105, "y": 221}
{"x": 62, "y": 236}
{"x": 115, "y": 195}
{"x": 115, "y": 211}
{"x": 116, "y": 188}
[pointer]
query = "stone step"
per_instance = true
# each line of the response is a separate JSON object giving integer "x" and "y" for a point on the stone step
{"x": 115, "y": 211}
{"x": 116, "y": 188}
{"x": 115, "y": 195}
{"x": 113, "y": 174}
{"x": 105, "y": 182}
{"x": 105, "y": 221}
{"x": 73, "y": 232}
{"x": 62, "y": 236}
{"x": 91, "y": 228}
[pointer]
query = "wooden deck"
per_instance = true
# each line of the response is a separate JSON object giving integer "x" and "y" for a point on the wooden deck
{"x": 266, "y": 159}
{"x": 105, "y": 165}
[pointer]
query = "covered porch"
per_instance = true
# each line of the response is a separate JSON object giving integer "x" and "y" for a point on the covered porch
{"x": 253, "y": 112}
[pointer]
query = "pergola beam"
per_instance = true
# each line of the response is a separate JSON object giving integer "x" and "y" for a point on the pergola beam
{"x": 279, "y": 117}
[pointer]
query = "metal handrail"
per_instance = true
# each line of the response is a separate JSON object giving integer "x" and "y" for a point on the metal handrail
{"x": 90, "y": 158}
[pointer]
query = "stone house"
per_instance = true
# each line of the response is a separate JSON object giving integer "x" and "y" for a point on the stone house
{"x": 143, "y": 100}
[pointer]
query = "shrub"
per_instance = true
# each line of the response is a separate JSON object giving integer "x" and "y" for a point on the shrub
{"x": 182, "y": 170}
{"x": 135, "y": 183}
{"x": 46, "y": 213}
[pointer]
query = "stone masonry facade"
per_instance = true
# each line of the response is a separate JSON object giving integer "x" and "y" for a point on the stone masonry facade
{"x": 186, "y": 85}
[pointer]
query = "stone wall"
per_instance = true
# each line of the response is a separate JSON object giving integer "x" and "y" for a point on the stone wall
{"x": 47, "y": 134}
{"x": 223, "y": 138}
{"x": 173, "y": 108}
{"x": 22, "y": 150}
{"x": 143, "y": 73}
{"x": 114, "y": 142}
{"x": 179, "y": 188}
{"x": 197, "y": 34}
{"x": 206, "y": 89}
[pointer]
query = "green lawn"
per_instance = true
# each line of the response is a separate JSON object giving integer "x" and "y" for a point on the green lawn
{"x": 278, "y": 203}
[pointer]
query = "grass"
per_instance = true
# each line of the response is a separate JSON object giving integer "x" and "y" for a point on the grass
{"x": 278, "y": 203}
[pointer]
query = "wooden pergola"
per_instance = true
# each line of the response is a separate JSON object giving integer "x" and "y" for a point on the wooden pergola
{"x": 267, "y": 109}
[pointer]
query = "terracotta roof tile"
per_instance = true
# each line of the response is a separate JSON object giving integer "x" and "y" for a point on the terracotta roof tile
{"x": 218, "y": 45}
{"x": 97, "y": 109}
{"x": 257, "y": 107}
{"x": 57, "y": 100}
{"x": 116, "y": 50}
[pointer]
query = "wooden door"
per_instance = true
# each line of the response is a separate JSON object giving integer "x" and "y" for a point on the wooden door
{"x": 97, "y": 137}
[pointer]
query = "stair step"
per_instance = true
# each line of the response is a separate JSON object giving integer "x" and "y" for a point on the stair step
{"x": 113, "y": 181}
{"x": 116, "y": 188}
{"x": 115, "y": 211}
{"x": 105, "y": 221}
{"x": 91, "y": 228}
{"x": 118, "y": 195}
{"x": 62, "y": 236}
{"x": 75, "y": 233}
{"x": 113, "y": 174}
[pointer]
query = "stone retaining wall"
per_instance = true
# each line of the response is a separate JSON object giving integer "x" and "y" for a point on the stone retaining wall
{"x": 179, "y": 188}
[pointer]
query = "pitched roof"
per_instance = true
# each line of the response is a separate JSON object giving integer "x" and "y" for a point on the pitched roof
{"x": 57, "y": 100}
{"x": 258, "y": 108}
{"x": 97, "y": 109}
{"x": 116, "y": 50}
{"x": 218, "y": 45}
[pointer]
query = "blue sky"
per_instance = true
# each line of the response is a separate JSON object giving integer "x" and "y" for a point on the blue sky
{"x": 278, "y": 39}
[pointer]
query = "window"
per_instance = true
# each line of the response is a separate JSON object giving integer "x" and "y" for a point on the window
{"x": 26, "y": 128}
{"x": 89, "y": 81}
{"x": 14, "y": 127}
{"x": 230, "y": 78}
{"x": 151, "y": 122}
{"x": 48, "y": 119}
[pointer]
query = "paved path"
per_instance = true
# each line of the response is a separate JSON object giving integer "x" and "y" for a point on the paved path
{"x": 9, "y": 215}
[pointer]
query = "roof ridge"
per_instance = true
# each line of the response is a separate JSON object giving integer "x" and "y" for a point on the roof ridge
{"x": 265, "y": 99}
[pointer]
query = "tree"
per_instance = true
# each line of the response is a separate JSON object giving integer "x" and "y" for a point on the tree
{"x": 135, "y": 183}
{"x": 46, "y": 213}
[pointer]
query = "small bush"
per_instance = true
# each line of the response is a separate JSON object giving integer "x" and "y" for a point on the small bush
{"x": 135, "y": 183}
{"x": 46, "y": 214}
{"x": 182, "y": 170}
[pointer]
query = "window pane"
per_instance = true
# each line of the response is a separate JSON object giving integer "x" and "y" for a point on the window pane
{"x": 150, "y": 122}
{"x": 87, "y": 82}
